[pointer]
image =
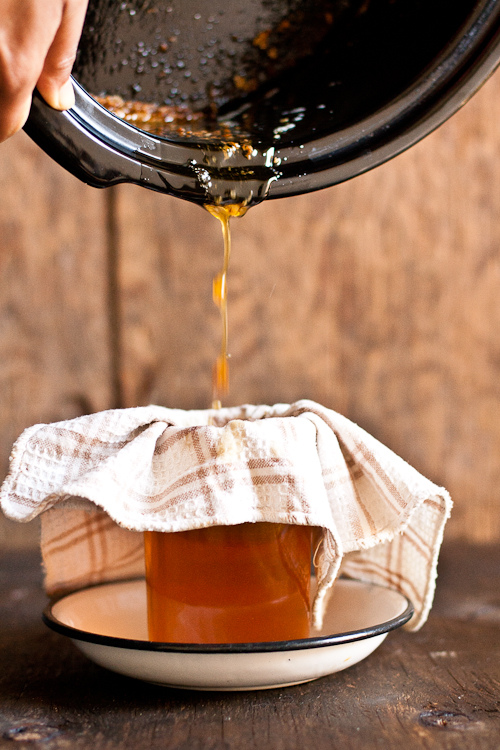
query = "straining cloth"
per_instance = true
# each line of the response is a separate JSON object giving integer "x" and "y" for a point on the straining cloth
{"x": 100, "y": 480}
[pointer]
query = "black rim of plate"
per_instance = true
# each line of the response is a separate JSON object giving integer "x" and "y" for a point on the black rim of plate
{"x": 229, "y": 648}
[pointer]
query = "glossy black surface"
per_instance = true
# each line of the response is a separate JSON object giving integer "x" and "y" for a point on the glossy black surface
{"x": 200, "y": 52}
{"x": 377, "y": 81}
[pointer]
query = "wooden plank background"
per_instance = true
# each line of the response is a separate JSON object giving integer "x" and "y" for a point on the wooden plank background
{"x": 378, "y": 298}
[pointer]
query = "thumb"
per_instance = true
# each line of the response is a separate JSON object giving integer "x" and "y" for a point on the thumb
{"x": 54, "y": 83}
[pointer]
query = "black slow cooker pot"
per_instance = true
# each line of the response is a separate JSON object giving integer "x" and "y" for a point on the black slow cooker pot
{"x": 337, "y": 87}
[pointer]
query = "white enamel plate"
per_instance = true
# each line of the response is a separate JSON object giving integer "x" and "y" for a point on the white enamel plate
{"x": 108, "y": 623}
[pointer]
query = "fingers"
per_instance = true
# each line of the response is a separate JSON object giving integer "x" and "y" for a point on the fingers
{"x": 38, "y": 42}
{"x": 54, "y": 84}
{"x": 14, "y": 116}
{"x": 17, "y": 24}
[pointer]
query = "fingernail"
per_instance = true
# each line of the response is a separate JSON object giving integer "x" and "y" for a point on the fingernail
{"x": 66, "y": 96}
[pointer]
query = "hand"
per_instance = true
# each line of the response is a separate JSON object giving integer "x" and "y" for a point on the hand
{"x": 38, "y": 43}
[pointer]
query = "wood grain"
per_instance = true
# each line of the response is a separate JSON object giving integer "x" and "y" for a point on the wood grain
{"x": 168, "y": 253}
{"x": 437, "y": 689}
{"x": 54, "y": 332}
{"x": 378, "y": 298}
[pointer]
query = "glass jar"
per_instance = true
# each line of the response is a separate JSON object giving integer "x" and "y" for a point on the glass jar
{"x": 229, "y": 584}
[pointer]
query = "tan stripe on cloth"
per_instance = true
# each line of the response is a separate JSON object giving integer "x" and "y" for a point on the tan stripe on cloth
{"x": 102, "y": 479}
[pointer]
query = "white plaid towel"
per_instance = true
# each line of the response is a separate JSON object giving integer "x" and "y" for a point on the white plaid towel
{"x": 101, "y": 480}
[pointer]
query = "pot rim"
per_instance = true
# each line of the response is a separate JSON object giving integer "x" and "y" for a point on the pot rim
{"x": 101, "y": 149}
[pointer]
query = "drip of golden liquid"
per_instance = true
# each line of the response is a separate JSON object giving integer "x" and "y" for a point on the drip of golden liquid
{"x": 220, "y": 375}
{"x": 191, "y": 597}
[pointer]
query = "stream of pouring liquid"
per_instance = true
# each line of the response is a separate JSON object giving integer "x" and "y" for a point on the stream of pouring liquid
{"x": 220, "y": 375}
{"x": 228, "y": 584}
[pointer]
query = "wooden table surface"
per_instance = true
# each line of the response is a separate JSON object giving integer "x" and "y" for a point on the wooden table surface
{"x": 438, "y": 688}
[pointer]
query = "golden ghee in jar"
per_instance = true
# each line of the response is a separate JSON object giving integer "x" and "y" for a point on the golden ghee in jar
{"x": 229, "y": 584}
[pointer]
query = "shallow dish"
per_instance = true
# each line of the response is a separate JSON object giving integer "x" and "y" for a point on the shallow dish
{"x": 108, "y": 623}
